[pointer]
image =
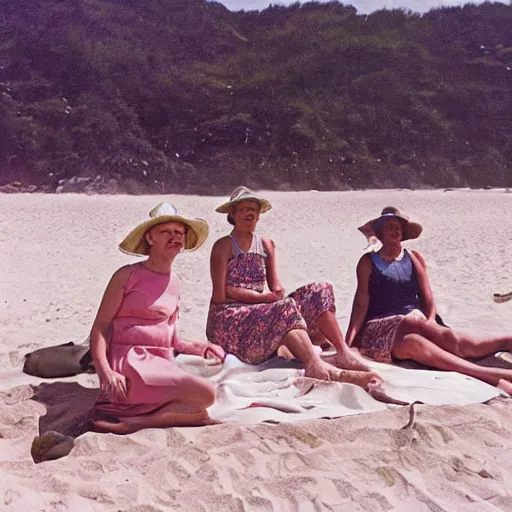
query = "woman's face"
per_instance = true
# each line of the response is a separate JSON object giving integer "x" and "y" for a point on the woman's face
{"x": 167, "y": 239}
{"x": 246, "y": 214}
{"x": 391, "y": 232}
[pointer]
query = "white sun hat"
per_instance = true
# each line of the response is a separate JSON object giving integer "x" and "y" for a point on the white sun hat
{"x": 135, "y": 242}
{"x": 243, "y": 194}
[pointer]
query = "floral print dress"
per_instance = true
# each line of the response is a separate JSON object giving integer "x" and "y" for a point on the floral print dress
{"x": 253, "y": 332}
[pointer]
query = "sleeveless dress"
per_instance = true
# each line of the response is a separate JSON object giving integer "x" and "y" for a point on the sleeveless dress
{"x": 141, "y": 345}
{"x": 393, "y": 291}
{"x": 254, "y": 332}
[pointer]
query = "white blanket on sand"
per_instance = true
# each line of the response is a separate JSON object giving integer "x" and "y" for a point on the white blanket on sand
{"x": 276, "y": 390}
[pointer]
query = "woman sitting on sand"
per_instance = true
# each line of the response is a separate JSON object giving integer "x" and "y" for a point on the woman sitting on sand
{"x": 393, "y": 314}
{"x": 135, "y": 334}
{"x": 252, "y": 323}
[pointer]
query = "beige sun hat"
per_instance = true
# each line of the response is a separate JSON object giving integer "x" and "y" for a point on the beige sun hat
{"x": 243, "y": 194}
{"x": 135, "y": 242}
{"x": 411, "y": 230}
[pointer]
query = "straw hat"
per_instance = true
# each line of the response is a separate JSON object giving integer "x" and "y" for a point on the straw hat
{"x": 243, "y": 194}
{"x": 411, "y": 230}
{"x": 135, "y": 242}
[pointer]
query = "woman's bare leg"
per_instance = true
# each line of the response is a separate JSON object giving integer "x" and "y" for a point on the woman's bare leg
{"x": 167, "y": 416}
{"x": 320, "y": 340}
{"x": 477, "y": 348}
{"x": 505, "y": 385}
{"x": 420, "y": 349}
{"x": 299, "y": 344}
{"x": 345, "y": 358}
{"x": 463, "y": 345}
{"x": 189, "y": 409}
{"x": 285, "y": 353}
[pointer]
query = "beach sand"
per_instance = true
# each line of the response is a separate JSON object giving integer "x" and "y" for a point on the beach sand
{"x": 58, "y": 252}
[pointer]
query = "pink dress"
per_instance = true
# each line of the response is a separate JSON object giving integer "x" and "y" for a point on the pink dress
{"x": 141, "y": 345}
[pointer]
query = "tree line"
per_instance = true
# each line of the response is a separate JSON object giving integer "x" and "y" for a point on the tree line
{"x": 186, "y": 96}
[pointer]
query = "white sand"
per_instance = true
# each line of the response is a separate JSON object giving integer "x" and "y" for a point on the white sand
{"x": 58, "y": 253}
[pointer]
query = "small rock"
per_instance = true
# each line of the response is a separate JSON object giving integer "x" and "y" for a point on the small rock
{"x": 9, "y": 189}
{"x": 484, "y": 473}
{"x": 51, "y": 446}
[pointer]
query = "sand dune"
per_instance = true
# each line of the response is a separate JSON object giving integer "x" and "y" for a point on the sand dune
{"x": 58, "y": 253}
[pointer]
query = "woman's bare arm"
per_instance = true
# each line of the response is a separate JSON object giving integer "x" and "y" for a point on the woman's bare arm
{"x": 101, "y": 328}
{"x": 198, "y": 348}
{"x": 249, "y": 296}
{"x": 425, "y": 291}
{"x": 273, "y": 281}
{"x": 195, "y": 348}
{"x": 361, "y": 299}
{"x": 219, "y": 269}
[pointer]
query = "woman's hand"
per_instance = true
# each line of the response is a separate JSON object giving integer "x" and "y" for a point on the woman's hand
{"x": 278, "y": 292}
{"x": 247, "y": 296}
{"x": 214, "y": 351}
{"x": 114, "y": 386}
{"x": 269, "y": 297}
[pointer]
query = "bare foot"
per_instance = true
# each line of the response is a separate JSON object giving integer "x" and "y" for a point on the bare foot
{"x": 158, "y": 419}
{"x": 349, "y": 360}
{"x": 367, "y": 380}
{"x": 505, "y": 385}
{"x": 109, "y": 427}
{"x": 325, "y": 371}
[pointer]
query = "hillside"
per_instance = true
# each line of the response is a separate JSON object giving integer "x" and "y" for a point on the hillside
{"x": 186, "y": 96}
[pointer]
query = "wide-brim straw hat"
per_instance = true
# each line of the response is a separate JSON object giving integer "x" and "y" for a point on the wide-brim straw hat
{"x": 135, "y": 242}
{"x": 411, "y": 230}
{"x": 243, "y": 194}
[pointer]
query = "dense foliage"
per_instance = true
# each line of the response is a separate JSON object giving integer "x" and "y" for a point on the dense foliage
{"x": 184, "y": 95}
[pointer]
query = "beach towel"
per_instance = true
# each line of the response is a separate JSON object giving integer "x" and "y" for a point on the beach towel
{"x": 274, "y": 391}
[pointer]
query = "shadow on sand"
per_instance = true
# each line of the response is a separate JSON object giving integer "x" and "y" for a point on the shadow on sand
{"x": 68, "y": 415}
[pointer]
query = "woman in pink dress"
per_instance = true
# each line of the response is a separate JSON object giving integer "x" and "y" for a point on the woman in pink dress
{"x": 252, "y": 323}
{"x": 134, "y": 335}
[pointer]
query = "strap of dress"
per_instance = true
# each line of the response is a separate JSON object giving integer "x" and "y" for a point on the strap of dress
{"x": 257, "y": 246}
{"x": 414, "y": 260}
{"x": 237, "y": 249}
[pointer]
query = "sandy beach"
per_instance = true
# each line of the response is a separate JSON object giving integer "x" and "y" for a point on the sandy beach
{"x": 58, "y": 252}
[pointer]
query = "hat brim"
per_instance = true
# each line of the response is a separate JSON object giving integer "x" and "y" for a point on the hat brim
{"x": 411, "y": 231}
{"x": 135, "y": 243}
{"x": 265, "y": 206}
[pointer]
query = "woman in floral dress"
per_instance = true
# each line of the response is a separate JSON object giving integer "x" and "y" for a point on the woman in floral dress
{"x": 250, "y": 322}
